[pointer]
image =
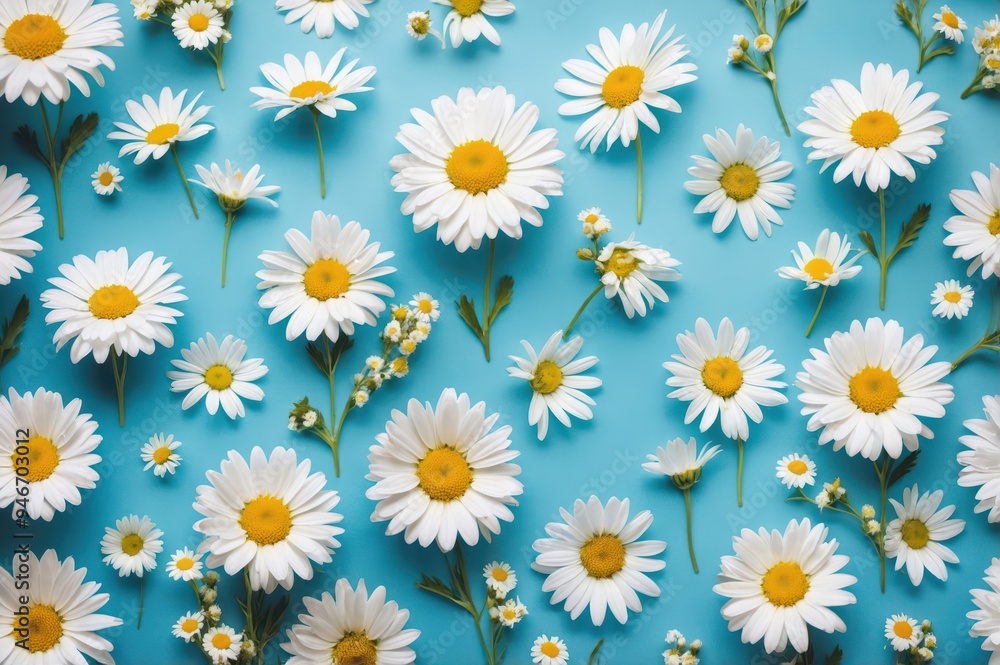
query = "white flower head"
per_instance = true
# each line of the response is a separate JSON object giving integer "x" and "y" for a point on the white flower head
{"x": 981, "y": 462}
{"x": 549, "y": 651}
{"x": 826, "y": 265}
{"x": 189, "y": 626}
{"x": 681, "y": 461}
{"x": 763, "y": 43}
{"x": 469, "y": 19}
{"x": 950, "y": 24}
{"x": 131, "y": 547}
{"x": 18, "y": 218}
{"x": 185, "y": 565}
{"x": 324, "y": 15}
{"x": 310, "y": 84}
{"x": 232, "y": 187}
{"x": 500, "y": 578}
{"x": 219, "y": 374}
{"x": 951, "y": 299}
{"x": 158, "y": 454}
{"x": 631, "y": 270}
{"x": 902, "y": 632}
{"x": 197, "y": 24}
{"x": 159, "y": 125}
{"x": 796, "y": 471}
{"x": 914, "y": 537}
{"x": 107, "y": 179}
{"x": 975, "y": 232}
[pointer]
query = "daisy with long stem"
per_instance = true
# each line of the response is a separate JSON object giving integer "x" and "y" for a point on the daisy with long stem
{"x": 131, "y": 548}
{"x": 948, "y": 26}
{"x": 825, "y": 266}
{"x": 990, "y": 341}
{"x": 198, "y": 25}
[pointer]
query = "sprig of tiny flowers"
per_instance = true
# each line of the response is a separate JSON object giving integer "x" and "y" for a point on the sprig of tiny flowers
{"x": 912, "y": 644}
{"x": 200, "y": 25}
{"x": 680, "y": 652}
{"x": 948, "y": 27}
{"x": 987, "y": 45}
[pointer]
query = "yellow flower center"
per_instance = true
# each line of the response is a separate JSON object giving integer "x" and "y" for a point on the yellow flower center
{"x": 198, "y": 22}
{"x": 953, "y": 296}
{"x": 499, "y": 574}
{"x": 740, "y": 182}
{"x": 355, "y": 649}
{"x": 326, "y": 278}
{"x": 798, "y": 467}
{"x": 267, "y": 520}
{"x": 622, "y": 86}
{"x": 915, "y": 534}
{"x": 420, "y": 24}
{"x": 425, "y": 306}
{"x": 34, "y": 36}
{"x": 132, "y": 544}
{"x": 621, "y": 263}
{"x": 723, "y": 376}
{"x": 548, "y": 378}
{"x": 875, "y": 129}
{"x": 603, "y": 556}
{"x": 902, "y": 629}
{"x": 42, "y": 459}
{"x": 189, "y": 625}
{"x": 400, "y": 365}
{"x": 115, "y": 301}
{"x": 589, "y": 219}
{"x": 467, "y": 7}
{"x": 161, "y": 134}
{"x": 309, "y": 89}
{"x": 477, "y": 167}
{"x": 509, "y": 613}
{"x": 874, "y": 390}
{"x": 785, "y": 584}
{"x": 550, "y": 649}
{"x": 994, "y": 224}
{"x": 184, "y": 563}
{"x": 221, "y": 641}
{"x": 44, "y": 628}
{"x": 950, "y": 20}
{"x": 219, "y": 377}
{"x": 444, "y": 474}
{"x": 106, "y": 178}
{"x": 818, "y": 268}
{"x": 161, "y": 455}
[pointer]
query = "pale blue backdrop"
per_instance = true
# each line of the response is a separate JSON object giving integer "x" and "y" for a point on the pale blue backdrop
{"x": 724, "y": 275}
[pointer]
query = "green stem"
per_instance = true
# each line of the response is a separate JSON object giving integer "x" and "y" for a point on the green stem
{"x": 975, "y": 86}
{"x": 54, "y": 170}
{"x": 638, "y": 172}
{"x": 142, "y": 594}
{"x": 230, "y": 218}
{"x": 883, "y": 470}
{"x": 883, "y": 259}
{"x": 333, "y": 441}
{"x": 486, "y": 298}
{"x": 739, "y": 472}
{"x": 120, "y": 382}
{"x": 579, "y": 312}
{"x": 965, "y": 356}
{"x": 687, "y": 512}
{"x": 774, "y": 91}
{"x": 197, "y": 594}
{"x": 184, "y": 180}
{"x": 217, "y": 59}
{"x": 822, "y": 297}
{"x": 319, "y": 146}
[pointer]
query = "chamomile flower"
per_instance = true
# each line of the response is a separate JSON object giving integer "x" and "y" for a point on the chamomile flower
{"x": 742, "y": 180}
{"x": 826, "y": 265}
{"x": 902, "y": 632}
{"x": 557, "y": 386}
{"x": 467, "y": 20}
{"x": 324, "y": 15}
{"x": 160, "y": 125}
{"x": 950, "y": 24}
{"x": 18, "y": 218}
{"x": 914, "y": 537}
{"x": 219, "y": 373}
{"x": 222, "y": 644}
{"x": 131, "y": 547}
{"x": 428, "y": 309}
{"x": 232, "y": 187}
{"x": 107, "y": 179}
{"x": 158, "y": 454}
{"x": 680, "y": 460}
{"x": 189, "y": 626}
{"x": 987, "y": 612}
{"x": 500, "y": 578}
{"x": 510, "y": 613}
{"x": 875, "y": 131}
{"x": 418, "y": 26}
{"x": 595, "y": 223}
{"x": 796, "y": 471}
{"x": 549, "y": 651}
{"x": 197, "y": 24}
{"x": 310, "y": 84}
{"x": 975, "y": 233}
{"x": 981, "y": 462}
{"x": 951, "y": 299}
{"x": 630, "y": 271}
{"x": 185, "y": 565}
{"x": 763, "y": 43}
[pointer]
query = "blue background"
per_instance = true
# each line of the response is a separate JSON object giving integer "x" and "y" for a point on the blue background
{"x": 724, "y": 275}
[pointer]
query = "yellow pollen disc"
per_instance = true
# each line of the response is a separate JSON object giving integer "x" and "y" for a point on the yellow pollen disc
{"x": 189, "y": 625}
{"x": 161, "y": 134}
{"x": 425, "y": 306}
{"x": 44, "y": 628}
{"x": 106, "y": 178}
{"x": 198, "y": 22}
{"x": 903, "y": 629}
{"x": 467, "y": 7}
{"x": 477, "y": 167}
{"x": 400, "y": 365}
{"x": 161, "y": 455}
{"x": 550, "y": 649}
{"x": 950, "y": 20}
{"x": 420, "y": 25}
{"x": 309, "y": 89}
{"x": 112, "y": 302}
{"x": 43, "y": 458}
{"x": 326, "y": 278}
{"x": 818, "y": 268}
{"x": 267, "y": 520}
{"x": 723, "y": 376}
{"x": 499, "y": 574}
{"x": 219, "y": 377}
{"x": 132, "y": 544}
{"x": 915, "y": 534}
{"x": 509, "y": 613}
{"x": 221, "y": 641}
{"x": 798, "y": 467}
{"x": 186, "y": 563}
{"x": 590, "y": 219}
{"x": 444, "y": 474}
{"x": 603, "y": 556}
{"x": 34, "y": 36}
{"x": 874, "y": 390}
{"x": 740, "y": 182}
{"x": 875, "y": 129}
{"x": 548, "y": 378}
{"x": 621, "y": 262}
{"x": 355, "y": 649}
{"x": 953, "y": 296}
{"x": 622, "y": 86}
{"x": 785, "y": 584}
{"x": 994, "y": 224}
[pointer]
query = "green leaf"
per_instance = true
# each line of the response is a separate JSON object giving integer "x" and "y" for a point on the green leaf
{"x": 27, "y": 137}
{"x": 944, "y": 50}
{"x": 467, "y": 310}
{"x": 83, "y": 128}
{"x": 12, "y": 329}
{"x": 317, "y": 357}
{"x": 595, "y": 653}
{"x": 911, "y": 229}
{"x": 903, "y": 12}
{"x": 904, "y": 468}
{"x": 869, "y": 242}
{"x": 505, "y": 294}
{"x": 836, "y": 657}
{"x": 436, "y": 586}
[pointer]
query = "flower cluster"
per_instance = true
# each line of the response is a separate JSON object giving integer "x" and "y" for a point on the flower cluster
{"x": 914, "y": 642}
{"x": 680, "y": 651}
{"x": 200, "y": 25}
{"x": 986, "y": 42}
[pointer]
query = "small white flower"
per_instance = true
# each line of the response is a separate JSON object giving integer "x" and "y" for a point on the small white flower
{"x": 735, "y": 55}
{"x": 185, "y": 565}
{"x": 189, "y": 625}
{"x": 511, "y": 612}
{"x": 219, "y": 374}
{"x": 197, "y": 24}
{"x": 873, "y": 527}
{"x": 796, "y": 471}
{"x": 361, "y": 397}
{"x": 914, "y": 538}
{"x": 158, "y": 454}
{"x": 822, "y": 500}
{"x": 902, "y": 632}
{"x": 951, "y": 299}
{"x": 763, "y": 43}
{"x": 131, "y": 547}
{"x": 549, "y": 651}
{"x": 950, "y": 24}
{"x": 107, "y": 179}
{"x": 630, "y": 271}
{"x": 868, "y": 511}
{"x": 827, "y": 265}
{"x": 428, "y": 309}
{"x": 500, "y": 578}
{"x": 222, "y": 644}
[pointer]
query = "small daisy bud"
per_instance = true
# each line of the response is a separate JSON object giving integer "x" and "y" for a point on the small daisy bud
{"x": 208, "y": 595}
{"x": 741, "y": 42}
{"x": 211, "y": 578}
{"x": 736, "y": 55}
{"x": 874, "y": 527}
{"x": 214, "y": 612}
{"x": 822, "y": 500}
{"x": 771, "y": 76}
{"x": 989, "y": 82}
{"x": 585, "y": 254}
{"x": 361, "y": 397}
{"x": 930, "y": 642}
{"x": 925, "y": 626}
{"x": 868, "y": 511}
{"x": 763, "y": 43}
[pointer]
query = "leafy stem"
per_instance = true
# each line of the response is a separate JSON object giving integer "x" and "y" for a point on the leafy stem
{"x": 913, "y": 19}
{"x": 262, "y": 619}
{"x": 908, "y": 235}
{"x": 504, "y": 296}
{"x": 119, "y": 366}
{"x": 11, "y": 331}
{"x": 977, "y": 83}
{"x": 184, "y": 180}
{"x": 326, "y": 361}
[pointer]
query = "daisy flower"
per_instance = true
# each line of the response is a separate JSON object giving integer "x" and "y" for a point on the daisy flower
{"x": 60, "y": 456}
{"x": 107, "y": 179}
{"x": 62, "y": 623}
{"x": 624, "y": 86}
{"x": 467, "y": 20}
{"x": 323, "y": 15}
{"x": 796, "y": 471}
{"x": 418, "y": 26}
{"x": 556, "y": 384}
{"x": 428, "y": 309}
{"x": 352, "y": 626}
{"x": 442, "y": 472}
{"x": 630, "y": 271}
{"x": 595, "y": 558}
{"x": 779, "y": 584}
{"x": 189, "y": 626}
{"x": 330, "y": 283}
{"x": 308, "y": 84}
{"x": 914, "y": 538}
{"x": 987, "y": 612}
{"x": 951, "y": 299}
{"x": 981, "y": 462}
{"x": 18, "y": 218}
{"x": 975, "y": 233}
{"x": 185, "y": 565}
{"x": 222, "y": 644}
{"x": 723, "y": 382}
{"x": 950, "y": 24}
{"x": 158, "y": 454}
{"x": 270, "y": 516}
{"x": 219, "y": 374}
{"x": 510, "y": 613}
{"x": 595, "y": 223}
{"x": 549, "y": 651}
{"x": 500, "y": 578}
{"x": 902, "y": 632}
{"x": 197, "y": 24}
{"x": 869, "y": 390}
{"x": 742, "y": 180}
{"x": 131, "y": 547}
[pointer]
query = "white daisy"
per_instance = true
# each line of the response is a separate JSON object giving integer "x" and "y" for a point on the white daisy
{"x": 309, "y": 84}
{"x": 779, "y": 584}
{"x": 594, "y": 557}
{"x": 742, "y": 179}
{"x": 975, "y": 233}
{"x": 185, "y": 565}
{"x": 681, "y": 461}
{"x": 59, "y": 459}
{"x": 549, "y": 651}
{"x": 869, "y": 390}
{"x": 62, "y": 624}
{"x": 630, "y": 271}
{"x": 951, "y": 299}
{"x": 950, "y": 24}
{"x": 222, "y": 644}
{"x": 270, "y": 516}
{"x": 107, "y": 179}
{"x": 510, "y": 613}
{"x": 476, "y": 167}
{"x": 160, "y": 124}
{"x": 500, "y": 578}
{"x": 902, "y": 632}
{"x": 330, "y": 284}
{"x": 18, "y": 217}
{"x": 630, "y": 76}
{"x": 234, "y": 188}
{"x": 323, "y": 15}
{"x": 442, "y": 472}
{"x": 418, "y": 26}
{"x": 556, "y": 384}
{"x": 987, "y": 614}
{"x": 876, "y": 131}
{"x": 796, "y": 471}
{"x": 914, "y": 537}
{"x": 428, "y": 309}
{"x": 219, "y": 373}
{"x": 467, "y": 19}
{"x": 827, "y": 265}
{"x": 158, "y": 454}
{"x": 595, "y": 223}
{"x": 351, "y": 627}
{"x": 44, "y": 47}
{"x": 189, "y": 626}
{"x": 197, "y": 24}
{"x": 131, "y": 547}
{"x": 981, "y": 463}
